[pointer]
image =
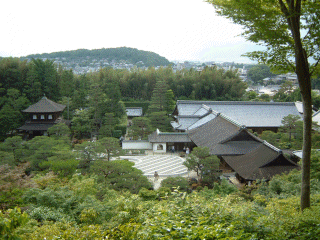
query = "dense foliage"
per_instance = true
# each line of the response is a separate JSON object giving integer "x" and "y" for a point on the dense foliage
{"x": 53, "y": 189}
{"x": 83, "y": 208}
{"x": 259, "y": 72}
{"x": 130, "y": 55}
{"x": 51, "y": 192}
{"x": 95, "y": 100}
{"x": 290, "y": 134}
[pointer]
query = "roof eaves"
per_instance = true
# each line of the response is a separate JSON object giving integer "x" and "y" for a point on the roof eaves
{"x": 316, "y": 113}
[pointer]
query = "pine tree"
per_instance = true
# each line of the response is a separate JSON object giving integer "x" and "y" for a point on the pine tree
{"x": 170, "y": 103}
{"x": 158, "y": 99}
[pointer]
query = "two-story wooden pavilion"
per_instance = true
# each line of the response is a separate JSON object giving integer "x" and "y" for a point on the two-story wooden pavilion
{"x": 43, "y": 115}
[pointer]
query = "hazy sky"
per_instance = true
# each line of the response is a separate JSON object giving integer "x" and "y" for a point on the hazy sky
{"x": 175, "y": 29}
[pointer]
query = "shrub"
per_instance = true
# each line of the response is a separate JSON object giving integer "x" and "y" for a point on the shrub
{"x": 63, "y": 168}
{"x": 163, "y": 192}
{"x": 122, "y": 128}
{"x": 135, "y": 152}
{"x": 10, "y": 221}
{"x": 224, "y": 187}
{"x": 116, "y": 133}
{"x": 146, "y": 194}
{"x": 174, "y": 182}
{"x": 49, "y": 214}
{"x": 142, "y": 151}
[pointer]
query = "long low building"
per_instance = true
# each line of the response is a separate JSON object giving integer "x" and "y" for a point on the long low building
{"x": 258, "y": 116}
{"x": 222, "y": 128}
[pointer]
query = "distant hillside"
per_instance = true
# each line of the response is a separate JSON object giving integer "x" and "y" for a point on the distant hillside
{"x": 110, "y": 56}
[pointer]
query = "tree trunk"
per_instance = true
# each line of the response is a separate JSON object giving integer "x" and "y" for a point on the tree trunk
{"x": 303, "y": 73}
{"x": 293, "y": 12}
{"x": 306, "y": 153}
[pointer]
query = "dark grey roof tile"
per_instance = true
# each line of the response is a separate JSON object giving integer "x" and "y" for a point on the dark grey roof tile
{"x": 45, "y": 105}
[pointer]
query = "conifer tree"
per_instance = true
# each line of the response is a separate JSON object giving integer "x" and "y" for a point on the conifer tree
{"x": 169, "y": 102}
{"x": 158, "y": 99}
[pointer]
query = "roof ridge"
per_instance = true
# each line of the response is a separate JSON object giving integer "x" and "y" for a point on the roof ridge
{"x": 272, "y": 147}
{"x": 189, "y": 116}
{"x": 202, "y": 106}
{"x": 240, "y": 130}
{"x": 173, "y": 133}
{"x": 231, "y": 120}
{"x": 233, "y": 102}
{"x": 52, "y": 103}
{"x": 206, "y": 107}
{"x": 316, "y": 113}
{"x": 210, "y": 110}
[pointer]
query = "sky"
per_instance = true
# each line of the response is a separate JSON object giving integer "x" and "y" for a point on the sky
{"x": 176, "y": 29}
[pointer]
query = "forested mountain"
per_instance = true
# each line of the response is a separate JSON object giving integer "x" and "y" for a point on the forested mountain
{"x": 107, "y": 56}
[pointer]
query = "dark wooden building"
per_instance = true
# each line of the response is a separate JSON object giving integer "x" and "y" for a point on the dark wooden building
{"x": 240, "y": 151}
{"x": 42, "y": 115}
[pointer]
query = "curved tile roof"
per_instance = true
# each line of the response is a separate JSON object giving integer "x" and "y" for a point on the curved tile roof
{"x": 213, "y": 132}
{"x": 161, "y": 137}
{"x": 262, "y": 162}
{"x": 251, "y": 114}
{"x": 45, "y": 105}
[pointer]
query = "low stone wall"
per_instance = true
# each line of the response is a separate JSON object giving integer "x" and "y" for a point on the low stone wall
{"x": 136, "y": 144}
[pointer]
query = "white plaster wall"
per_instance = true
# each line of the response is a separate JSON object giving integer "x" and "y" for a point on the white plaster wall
{"x": 136, "y": 145}
{"x": 155, "y": 148}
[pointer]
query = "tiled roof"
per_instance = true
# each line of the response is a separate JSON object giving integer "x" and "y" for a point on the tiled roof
{"x": 173, "y": 137}
{"x": 235, "y": 148}
{"x": 202, "y": 111}
{"x": 316, "y": 117}
{"x": 202, "y": 121}
{"x": 299, "y": 106}
{"x": 250, "y": 114}
{"x": 134, "y": 111}
{"x": 185, "y": 122}
{"x": 223, "y": 136}
{"x": 45, "y": 105}
{"x": 36, "y": 126}
{"x": 213, "y": 132}
{"x": 261, "y": 163}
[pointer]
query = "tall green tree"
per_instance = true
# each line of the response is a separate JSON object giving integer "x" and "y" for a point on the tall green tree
{"x": 60, "y": 131}
{"x": 109, "y": 146}
{"x": 289, "y": 123}
{"x": 66, "y": 82}
{"x": 120, "y": 175}
{"x": 82, "y": 124}
{"x": 141, "y": 127}
{"x": 42, "y": 80}
{"x": 88, "y": 152}
{"x": 13, "y": 73}
{"x": 290, "y": 32}
{"x": 161, "y": 121}
{"x": 107, "y": 128}
{"x": 259, "y": 72}
{"x": 170, "y": 102}
{"x": 203, "y": 163}
{"x": 11, "y": 116}
{"x": 158, "y": 99}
